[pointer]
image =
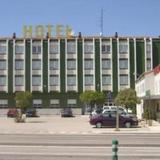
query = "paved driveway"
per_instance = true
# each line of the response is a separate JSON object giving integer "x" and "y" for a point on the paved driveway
{"x": 57, "y": 125}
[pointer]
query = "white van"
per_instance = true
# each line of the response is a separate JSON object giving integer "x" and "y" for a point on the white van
{"x": 114, "y": 108}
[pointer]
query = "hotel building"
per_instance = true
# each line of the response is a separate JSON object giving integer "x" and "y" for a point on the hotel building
{"x": 58, "y": 70}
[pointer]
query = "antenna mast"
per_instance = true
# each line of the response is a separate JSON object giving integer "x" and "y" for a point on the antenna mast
{"x": 101, "y": 33}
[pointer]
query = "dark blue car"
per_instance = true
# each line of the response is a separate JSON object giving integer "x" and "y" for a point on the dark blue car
{"x": 66, "y": 112}
{"x": 31, "y": 112}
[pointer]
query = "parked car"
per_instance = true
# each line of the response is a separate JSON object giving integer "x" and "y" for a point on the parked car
{"x": 31, "y": 112}
{"x": 125, "y": 114}
{"x": 66, "y": 112}
{"x": 12, "y": 112}
{"x": 109, "y": 119}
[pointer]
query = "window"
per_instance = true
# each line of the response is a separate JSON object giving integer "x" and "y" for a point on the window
{"x": 106, "y": 114}
{"x": 88, "y": 63}
{"x": 123, "y": 48}
{"x": 19, "y": 49}
{"x": 2, "y": 64}
{"x": 36, "y": 48}
{"x": 106, "y": 79}
{"x": 19, "y": 64}
{"x": 36, "y": 80}
{"x": 37, "y": 103}
{"x": 106, "y": 64}
{"x": 71, "y": 103}
{"x": 54, "y": 64}
{"x": 53, "y": 47}
{"x": 71, "y": 47}
{"x": 36, "y": 64}
{"x": 2, "y": 80}
{"x": 148, "y": 50}
{"x": 54, "y": 103}
{"x": 71, "y": 64}
{"x": 3, "y": 103}
{"x": 54, "y": 80}
{"x": 148, "y": 64}
{"x": 3, "y": 48}
{"x": 19, "y": 80}
{"x": 88, "y": 80}
{"x": 123, "y": 63}
{"x": 88, "y": 47}
{"x": 71, "y": 80}
{"x": 148, "y": 47}
{"x": 106, "y": 48}
{"x": 123, "y": 79}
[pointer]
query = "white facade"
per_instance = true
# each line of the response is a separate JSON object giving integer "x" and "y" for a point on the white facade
{"x": 148, "y": 85}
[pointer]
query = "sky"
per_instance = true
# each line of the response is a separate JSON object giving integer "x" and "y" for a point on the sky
{"x": 127, "y": 17}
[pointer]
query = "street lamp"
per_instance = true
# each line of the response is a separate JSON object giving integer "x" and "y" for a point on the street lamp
{"x": 117, "y": 120}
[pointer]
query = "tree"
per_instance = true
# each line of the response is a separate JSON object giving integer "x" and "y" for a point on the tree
{"x": 149, "y": 111}
{"x": 92, "y": 98}
{"x": 23, "y": 100}
{"x": 127, "y": 98}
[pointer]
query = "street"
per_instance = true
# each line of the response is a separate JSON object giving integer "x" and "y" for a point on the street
{"x": 140, "y": 146}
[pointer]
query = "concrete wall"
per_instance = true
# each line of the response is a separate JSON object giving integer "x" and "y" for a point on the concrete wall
{"x": 48, "y": 111}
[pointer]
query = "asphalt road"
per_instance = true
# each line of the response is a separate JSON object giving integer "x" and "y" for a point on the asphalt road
{"x": 77, "y": 147}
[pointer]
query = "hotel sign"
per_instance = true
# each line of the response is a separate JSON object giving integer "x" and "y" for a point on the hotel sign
{"x": 40, "y": 31}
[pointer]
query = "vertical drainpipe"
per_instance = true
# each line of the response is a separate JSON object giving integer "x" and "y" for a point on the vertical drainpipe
{"x": 83, "y": 65}
{"x": 66, "y": 56}
{"x": 76, "y": 47}
{"x": 129, "y": 76}
{"x": 100, "y": 51}
{"x": 31, "y": 65}
{"x": 42, "y": 66}
{"x": 13, "y": 65}
{"x": 48, "y": 65}
{"x": 118, "y": 64}
{"x": 145, "y": 54}
{"x": 24, "y": 71}
{"x": 111, "y": 64}
{"x": 7, "y": 46}
{"x": 151, "y": 53}
{"x": 59, "y": 46}
{"x": 135, "y": 59}
{"x": 94, "y": 79}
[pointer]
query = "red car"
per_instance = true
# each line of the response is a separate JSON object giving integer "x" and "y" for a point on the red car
{"x": 12, "y": 112}
{"x": 109, "y": 119}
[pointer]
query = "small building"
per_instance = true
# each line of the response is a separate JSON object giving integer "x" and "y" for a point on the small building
{"x": 148, "y": 90}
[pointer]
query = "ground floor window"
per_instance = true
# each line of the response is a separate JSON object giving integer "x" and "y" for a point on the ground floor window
{"x": 3, "y": 103}
{"x": 37, "y": 103}
{"x": 71, "y": 102}
{"x": 54, "y": 103}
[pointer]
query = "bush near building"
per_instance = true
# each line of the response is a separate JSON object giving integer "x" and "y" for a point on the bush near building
{"x": 92, "y": 98}
{"x": 128, "y": 99}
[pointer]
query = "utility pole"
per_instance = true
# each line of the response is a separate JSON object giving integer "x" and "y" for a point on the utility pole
{"x": 101, "y": 33}
{"x": 117, "y": 119}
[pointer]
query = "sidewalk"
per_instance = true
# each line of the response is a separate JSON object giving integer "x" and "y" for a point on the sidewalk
{"x": 58, "y": 125}
{"x": 155, "y": 126}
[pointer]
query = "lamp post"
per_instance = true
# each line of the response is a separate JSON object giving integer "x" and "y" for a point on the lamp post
{"x": 117, "y": 120}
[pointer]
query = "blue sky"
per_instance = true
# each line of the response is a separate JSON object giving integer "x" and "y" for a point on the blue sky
{"x": 127, "y": 17}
